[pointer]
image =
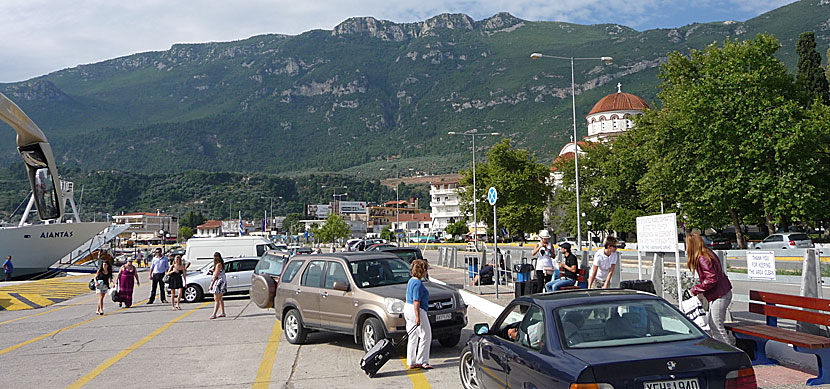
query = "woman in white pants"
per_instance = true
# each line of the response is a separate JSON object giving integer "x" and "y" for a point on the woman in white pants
{"x": 415, "y": 313}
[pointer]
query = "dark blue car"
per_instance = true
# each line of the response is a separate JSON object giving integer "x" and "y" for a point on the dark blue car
{"x": 599, "y": 339}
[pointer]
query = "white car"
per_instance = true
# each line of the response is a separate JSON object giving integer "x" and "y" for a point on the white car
{"x": 238, "y": 272}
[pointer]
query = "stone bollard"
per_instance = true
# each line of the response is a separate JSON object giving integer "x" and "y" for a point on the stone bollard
{"x": 657, "y": 273}
{"x": 811, "y": 287}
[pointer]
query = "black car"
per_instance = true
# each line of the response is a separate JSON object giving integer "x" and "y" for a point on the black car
{"x": 717, "y": 242}
{"x": 408, "y": 254}
{"x": 601, "y": 338}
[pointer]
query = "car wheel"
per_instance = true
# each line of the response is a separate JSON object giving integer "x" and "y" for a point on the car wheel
{"x": 467, "y": 369}
{"x": 450, "y": 341}
{"x": 193, "y": 293}
{"x": 293, "y": 327}
{"x": 371, "y": 333}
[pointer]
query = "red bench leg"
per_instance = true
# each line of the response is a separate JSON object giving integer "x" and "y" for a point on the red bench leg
{"x": 760, "y": 357}
{"x": 823, "y": 371}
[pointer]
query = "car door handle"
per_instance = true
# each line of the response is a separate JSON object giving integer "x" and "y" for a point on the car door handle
{"x": 298, "y": 291}
{"x": 324, "y": 294}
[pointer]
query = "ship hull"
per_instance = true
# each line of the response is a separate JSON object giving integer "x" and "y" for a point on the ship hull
{"x": 34, "y": 248}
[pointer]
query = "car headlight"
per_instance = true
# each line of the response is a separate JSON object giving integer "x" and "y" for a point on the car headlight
{"x": 461, "y": 302}
{"x": 393, "y": 305}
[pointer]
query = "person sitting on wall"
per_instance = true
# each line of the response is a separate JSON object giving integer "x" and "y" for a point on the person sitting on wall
{"x": 485, "y": 276}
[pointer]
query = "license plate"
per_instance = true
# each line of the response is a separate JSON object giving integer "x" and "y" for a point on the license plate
{"x": 443, "y": 316}
{"x": 688, "y": 383}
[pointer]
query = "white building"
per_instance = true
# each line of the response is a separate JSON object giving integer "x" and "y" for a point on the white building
{"x": 146, "y": 226}
{"x": 444, "y": 203}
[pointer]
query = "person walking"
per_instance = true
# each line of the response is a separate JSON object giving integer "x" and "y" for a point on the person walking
{"x": 8, "y": 268}
{"x": 605, "y": 260}
{"x": 218, "y": 286}
{"x": 158, "y": 267}
{"x": 544, "y": 260}
{"x": 415, "y": 313}
{"x": 177, "y": 282}
{"x": 103, "y": 281}
{"x": 569, "y": 270}
{"x": 139, "y": 258}
{"x": 127, "y": 280}
{"x": 714, "y": 287}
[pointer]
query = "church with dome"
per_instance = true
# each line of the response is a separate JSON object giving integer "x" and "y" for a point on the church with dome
{"x": 610, "y": 116}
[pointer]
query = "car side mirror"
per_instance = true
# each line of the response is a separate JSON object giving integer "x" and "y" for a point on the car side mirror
{"x": 481, "y": 329}
{"x": 341, "y": 286}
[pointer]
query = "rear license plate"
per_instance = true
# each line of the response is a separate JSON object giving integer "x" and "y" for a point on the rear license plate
{"x": 443, "y": 316}
{"x": 688, "y": 383}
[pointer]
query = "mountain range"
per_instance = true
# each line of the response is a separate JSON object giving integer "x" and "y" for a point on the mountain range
{"x": 367, "y": 93}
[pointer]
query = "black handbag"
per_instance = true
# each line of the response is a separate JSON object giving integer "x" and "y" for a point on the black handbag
{"x": 92, "y": 284}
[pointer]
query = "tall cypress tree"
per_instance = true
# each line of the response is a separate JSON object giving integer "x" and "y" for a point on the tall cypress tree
{"x": 810, "y": 75}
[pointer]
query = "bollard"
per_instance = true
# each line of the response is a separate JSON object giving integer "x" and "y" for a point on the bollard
{"x": 657, "y": 273}
{"x": 810, "y": 287}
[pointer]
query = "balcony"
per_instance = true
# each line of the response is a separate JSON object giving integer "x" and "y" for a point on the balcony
{"x": 448, "y": 203}
{"x": 443, "y": 192}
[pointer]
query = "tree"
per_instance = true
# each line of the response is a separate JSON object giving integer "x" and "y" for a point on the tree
{"x": 730, "y": 142}
{"x": 334, "y": 229}
{"x": 185, "y": 233}
{"x": 521, "y": 183}
{"x": 192, "y": 219}
{"x": 458, "y": 228}
{"x": 387, "y": 234}
{"x": 810, "y": 77}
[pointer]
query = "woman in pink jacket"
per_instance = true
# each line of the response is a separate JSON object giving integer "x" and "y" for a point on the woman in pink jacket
{"x": 714, "y": 285}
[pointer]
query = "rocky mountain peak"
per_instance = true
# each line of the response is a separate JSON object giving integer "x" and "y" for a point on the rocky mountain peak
{"x": 500, "y": 21}
{"x": 35, "y": 90}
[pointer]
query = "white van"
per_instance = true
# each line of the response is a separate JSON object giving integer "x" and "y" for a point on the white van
{"x": 200, "y": 251}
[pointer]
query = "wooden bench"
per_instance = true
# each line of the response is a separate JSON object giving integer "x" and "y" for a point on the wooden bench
{"x": 770, "y": 305}
{"x": 580, "y": 280}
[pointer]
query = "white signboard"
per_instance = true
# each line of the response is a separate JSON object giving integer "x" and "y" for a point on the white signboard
{"x": 657, "y": 233}
{"x": 352, "y": 207}
{"x": 321, "y": 211}
{"x": 760, "y": 265}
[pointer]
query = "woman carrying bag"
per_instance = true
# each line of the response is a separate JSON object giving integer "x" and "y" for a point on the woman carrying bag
{"x": 544, "y": 262}
{"x": 415, "y": 313}
{"x": 714, "y": 286}
{"x": 103, "y": 281}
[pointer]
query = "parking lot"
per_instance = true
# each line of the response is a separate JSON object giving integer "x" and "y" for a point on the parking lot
{"x": 66, "y": 344}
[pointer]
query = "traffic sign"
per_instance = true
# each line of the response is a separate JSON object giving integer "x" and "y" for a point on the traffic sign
{"x": 492, "y": 195}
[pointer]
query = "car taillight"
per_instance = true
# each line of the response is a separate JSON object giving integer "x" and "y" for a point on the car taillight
{"x": 276, "y": 281}
{"x": 792, "y": 243}
{"x": 592, "y": 386}
{"x": 741, "y": 379}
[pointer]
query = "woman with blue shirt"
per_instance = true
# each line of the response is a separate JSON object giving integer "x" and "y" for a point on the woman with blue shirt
{"x": 415, "y": 313}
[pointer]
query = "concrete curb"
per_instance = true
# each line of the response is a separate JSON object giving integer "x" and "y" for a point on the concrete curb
{"x": 489, "y": 308}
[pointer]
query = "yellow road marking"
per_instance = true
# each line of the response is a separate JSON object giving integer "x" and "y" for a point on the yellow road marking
{"x": 123, "y": 353}
{"x": 44, "y": 336}
{"x": 419, "y": 380}
{"x": 263, "y": 374}
{"x": 51, "y": 310}
{"x": 37, "y": 294}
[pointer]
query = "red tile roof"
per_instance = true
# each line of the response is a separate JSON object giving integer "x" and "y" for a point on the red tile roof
{"x": 209, "y": 225}
{"x": 618, "y": 102}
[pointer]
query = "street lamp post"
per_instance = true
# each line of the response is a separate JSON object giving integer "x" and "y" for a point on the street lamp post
{"x": 397, "y": 200}
{"x": 607, "y": 60}
{"x": 271, "y": 198}
{"x": 473, "y": 134}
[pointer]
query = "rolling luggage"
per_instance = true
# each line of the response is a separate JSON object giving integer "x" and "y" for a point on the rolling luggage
{"x": 382, "y": 351}
{"x": 641, "y": 285}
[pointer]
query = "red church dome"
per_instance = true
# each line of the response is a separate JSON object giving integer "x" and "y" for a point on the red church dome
{"x": 619, "y": 101}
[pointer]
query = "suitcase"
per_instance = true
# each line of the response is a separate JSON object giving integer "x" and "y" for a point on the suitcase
{"x": 641, "y": 285}
{"x": 382, "y": 351}
{"x": 533, "y": 286}
{"x": 519, "y": 289}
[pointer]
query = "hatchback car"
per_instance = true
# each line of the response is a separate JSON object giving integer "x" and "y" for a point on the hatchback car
{"x": 788, "y": 240}
{"x": 238, "y": 273}
{"x": 360, "y": 294}
{"x": 408, "y": 254}
{"x": 717, "y": 243}
{"x": 599, "y": 339}
{"x": 266, "y": 276}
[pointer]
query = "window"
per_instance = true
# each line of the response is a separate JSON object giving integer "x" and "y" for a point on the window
{"x": 231, "y": 266}
{"x": 335, "y": 273}
{"x": 260, "y": 249}
{"x": 532, "y": 329}
{"x": 313, "y": 274}
{"x": 774, "y": 238}
{"x": 247, "y": 265}
{"x": 292, "y": 269}
{"x": 511, "y": 322}
{"x": 379, "y": 272}
{"x": 799, "y": 237}
{"x": 270, "y": 264}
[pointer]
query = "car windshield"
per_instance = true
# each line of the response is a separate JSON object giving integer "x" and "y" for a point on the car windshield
{"x": 379, "y": 272}
{"x": 622, "y": 323}
{"x": 799, "y": 237}
{"x": 270, "y": 264}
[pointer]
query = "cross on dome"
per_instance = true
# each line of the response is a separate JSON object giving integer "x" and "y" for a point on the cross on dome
{"x": 619, "y": 88}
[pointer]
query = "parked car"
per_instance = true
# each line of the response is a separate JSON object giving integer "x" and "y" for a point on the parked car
{"x": 786, "y": 240}
{"x": 361, "y": 294}
{"x": 266, "y": 276}
{"x": 717, "y": 242}
{"x": 598, "y": 339}
{"x": 408, "y": 254}
{"x": 379, "y": 246}
{"x": 238, "y": 272}
{"x": 366, "y": 243}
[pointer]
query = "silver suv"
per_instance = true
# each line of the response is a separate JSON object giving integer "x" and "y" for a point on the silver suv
{"x": 787, "y": 240}
{"x": 361, "y": 294}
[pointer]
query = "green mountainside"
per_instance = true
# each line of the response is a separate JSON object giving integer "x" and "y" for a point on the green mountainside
{"x": 365, "y": 92}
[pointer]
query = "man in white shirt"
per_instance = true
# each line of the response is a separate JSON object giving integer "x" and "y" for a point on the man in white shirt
{"x": 158, "y": 267}
{"x": 605, "y": 260}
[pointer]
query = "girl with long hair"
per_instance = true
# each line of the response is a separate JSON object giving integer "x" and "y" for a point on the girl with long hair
{"x": 219, "y": 286}
{"x": 415, "y": 313}
{"x": 103, "y": 281}
{"x": 177, "y": 282}
{"x": 714, "y": 285}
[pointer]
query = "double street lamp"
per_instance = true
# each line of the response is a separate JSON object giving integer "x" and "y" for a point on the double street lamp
{"x": 337, "y": 196}
{"x": 271, "y": 198}
{"x": 397, "y": 200}
{"x": 607, "y": 60}
{"x": 473, "y": 134}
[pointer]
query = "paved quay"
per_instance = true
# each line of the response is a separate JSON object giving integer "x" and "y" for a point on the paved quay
{"x": 68, "y": 345}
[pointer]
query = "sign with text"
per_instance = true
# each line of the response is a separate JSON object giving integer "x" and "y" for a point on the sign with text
{"x": 760, "y": 265}
{"x": 657, "y": 233}
{"x": 320, "y": 211}
{"x": 352, "y": 207}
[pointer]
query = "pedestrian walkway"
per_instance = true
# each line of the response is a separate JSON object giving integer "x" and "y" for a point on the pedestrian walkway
{"x": 42, "y": 293}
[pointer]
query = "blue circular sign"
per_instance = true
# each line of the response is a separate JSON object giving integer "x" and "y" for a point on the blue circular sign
{"x": 492, "y": 195}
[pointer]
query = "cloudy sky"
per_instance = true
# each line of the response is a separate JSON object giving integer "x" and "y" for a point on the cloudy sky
{"x": 41, "y": 36}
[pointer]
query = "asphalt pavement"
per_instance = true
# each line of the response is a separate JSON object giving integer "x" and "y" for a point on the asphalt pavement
{"x": 68, "y": 345}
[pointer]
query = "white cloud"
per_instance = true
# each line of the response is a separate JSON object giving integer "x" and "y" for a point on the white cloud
{"x": 40, "y": 36}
